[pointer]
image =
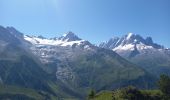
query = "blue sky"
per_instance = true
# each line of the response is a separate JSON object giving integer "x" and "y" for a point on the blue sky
{"x": 93, "y": 20}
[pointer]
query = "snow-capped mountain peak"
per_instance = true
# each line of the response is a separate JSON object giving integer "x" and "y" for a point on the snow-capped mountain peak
{"x": 70, "y": 36}
{"x": 130, "y": 42}
{"x": 68, "y": 39}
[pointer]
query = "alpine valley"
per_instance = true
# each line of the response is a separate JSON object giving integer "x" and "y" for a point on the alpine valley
{"x": 67, "y": 67}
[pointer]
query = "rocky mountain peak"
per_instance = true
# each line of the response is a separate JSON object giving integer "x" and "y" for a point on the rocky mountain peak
{"x": 130, "y": 40}
{"x": 14, "y": 32}
{"x": 70, "y": 36}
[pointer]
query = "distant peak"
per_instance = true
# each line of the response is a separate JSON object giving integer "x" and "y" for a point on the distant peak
{"x": 128, "y": 40}
{"x": 149, "y": 39}
{"x": 13, "y": 31}
{"x": 130, "y": 33}
{"x": 69, "y": 36}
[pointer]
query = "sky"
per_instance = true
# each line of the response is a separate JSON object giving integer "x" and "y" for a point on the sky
{"x": 92, "y": 20}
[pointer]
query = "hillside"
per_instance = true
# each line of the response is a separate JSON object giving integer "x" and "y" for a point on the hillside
{"x": 65, "y": 67}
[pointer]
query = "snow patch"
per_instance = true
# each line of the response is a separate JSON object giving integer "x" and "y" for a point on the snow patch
{"x": 40, "y": 41}
{"x": 72, "y": 43}
{"x": 142, "y": 46}
{"x": 129, "y": 36}
{"x": 87, "y": 47}
{"x": 131, "y": 47}
{"x": 125, "y": 47}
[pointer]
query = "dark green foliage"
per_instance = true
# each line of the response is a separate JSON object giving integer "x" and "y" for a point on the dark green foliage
{"x": 152, "y": 94}
{"x": 164, "y": 85}
{"x": 91, "y": 94}
{"x": 130, "y": 93}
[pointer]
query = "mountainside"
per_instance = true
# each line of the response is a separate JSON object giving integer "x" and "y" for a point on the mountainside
{"x": 19, "y": 69}
{"x": 79, "y": 64}
{"x": 144, "y": 52}
{"x": 64, "y": 67}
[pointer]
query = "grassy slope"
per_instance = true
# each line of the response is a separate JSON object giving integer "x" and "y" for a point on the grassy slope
{"x": 30, "y": 93}
{"x": 104, "y": 68}
{"x": 61, "y": 92}
{"x": 23, "y": 91}
{"x": 107, "y": 95}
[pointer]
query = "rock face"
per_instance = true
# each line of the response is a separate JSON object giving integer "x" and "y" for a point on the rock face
{"x": 151, "y": 56}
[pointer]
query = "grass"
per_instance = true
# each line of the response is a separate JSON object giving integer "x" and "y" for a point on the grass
{"x": 108, "y": 95}
{"x": 13, "y": 90}
{"x": 152, "y": 92}
{"x": 104, "y": 95}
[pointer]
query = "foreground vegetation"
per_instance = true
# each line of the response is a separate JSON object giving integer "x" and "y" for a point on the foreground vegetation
{"x": 132, "y": 93}
{"x": 17, "y": 93}
{"x": 127, "y": 93}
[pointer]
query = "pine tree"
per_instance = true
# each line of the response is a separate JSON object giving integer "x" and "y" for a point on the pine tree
{"x": 91, "y": 94}
{"x": 164, "y": 85}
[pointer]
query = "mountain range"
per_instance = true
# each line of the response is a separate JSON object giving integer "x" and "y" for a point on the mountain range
{"x": 152, "y": 57}
{"x": 68, "y": 66}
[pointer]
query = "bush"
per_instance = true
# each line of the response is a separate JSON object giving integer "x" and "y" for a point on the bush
{"x": 132, "y": 93}
{"x": 128, "y": 93}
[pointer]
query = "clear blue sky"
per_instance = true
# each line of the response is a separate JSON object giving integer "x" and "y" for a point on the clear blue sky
{"x": 93, "y": 20}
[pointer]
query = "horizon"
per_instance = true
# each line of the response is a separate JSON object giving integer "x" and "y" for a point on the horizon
{"x": 95, "y": 21}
